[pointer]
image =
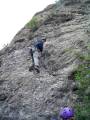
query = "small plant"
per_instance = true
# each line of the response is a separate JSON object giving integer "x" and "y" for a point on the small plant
{"x": 33, "y": 24}
{"x": 82, "y": 76}
{"x": 60, "y": 3}
{"x": 82, "y": 56}
{"x": 82, "y": 112}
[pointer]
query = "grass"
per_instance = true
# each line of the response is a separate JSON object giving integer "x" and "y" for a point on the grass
{"x": 82, "y": 76}
{"x": 33, "y": 24}
{"x": 82, "y": 112}
{"x": 59, "y": 2}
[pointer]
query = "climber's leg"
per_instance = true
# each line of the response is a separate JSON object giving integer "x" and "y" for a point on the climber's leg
{"x": 36, "y": 58}
{"x": 32, "y": 66}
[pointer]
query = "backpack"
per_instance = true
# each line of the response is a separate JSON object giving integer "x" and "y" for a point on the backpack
{"x": 39, "y": 45}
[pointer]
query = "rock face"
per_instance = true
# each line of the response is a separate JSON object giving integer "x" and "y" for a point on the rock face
{"x": 25, "y": 95}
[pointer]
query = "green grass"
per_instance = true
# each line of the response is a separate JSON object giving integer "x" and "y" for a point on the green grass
{"x": 82, "y": 76}
{"x": 33, "y": 24}
{"x": 83, "y": 112}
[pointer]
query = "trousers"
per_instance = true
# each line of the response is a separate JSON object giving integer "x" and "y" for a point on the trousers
{"x": 35, "y": 54}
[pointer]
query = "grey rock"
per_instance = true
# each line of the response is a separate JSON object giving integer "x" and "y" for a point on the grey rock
{"x": 25, "y": 95}
{"x": 3, "y": 97}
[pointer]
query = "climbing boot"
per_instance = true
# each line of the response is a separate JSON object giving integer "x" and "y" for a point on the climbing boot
{"x": 37, "y": 69}
{"x": 31, "y": 68}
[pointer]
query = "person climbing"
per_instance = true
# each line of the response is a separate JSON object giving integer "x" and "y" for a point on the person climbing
{"x": 36, "y": 52}
{"x": 67, "y": 113}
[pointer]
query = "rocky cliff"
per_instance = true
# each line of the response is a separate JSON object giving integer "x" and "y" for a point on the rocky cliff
{"x": 25, "y": 95}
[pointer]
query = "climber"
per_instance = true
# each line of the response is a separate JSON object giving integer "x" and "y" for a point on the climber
{"x": 67, "y": 113}
{"x": 36, "y": 52}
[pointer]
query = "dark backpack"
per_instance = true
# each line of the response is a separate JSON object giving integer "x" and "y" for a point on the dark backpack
{"x": 39, "y": 45}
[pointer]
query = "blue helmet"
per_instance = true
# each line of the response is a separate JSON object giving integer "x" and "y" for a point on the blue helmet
{"x": 66, "y": 113}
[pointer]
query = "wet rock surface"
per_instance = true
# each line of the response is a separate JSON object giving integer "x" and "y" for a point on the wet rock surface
{"x": 26, "y": 95}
